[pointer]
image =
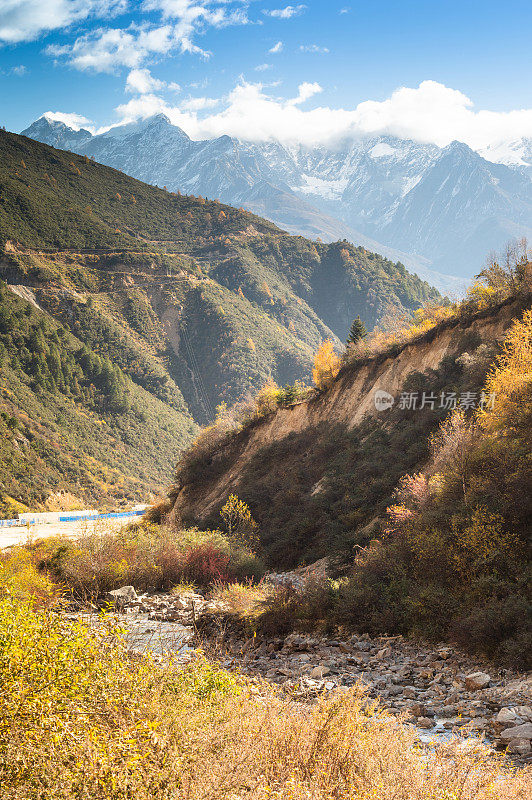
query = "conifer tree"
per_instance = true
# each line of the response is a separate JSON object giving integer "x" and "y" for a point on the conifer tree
{"x": 358, "y": 331}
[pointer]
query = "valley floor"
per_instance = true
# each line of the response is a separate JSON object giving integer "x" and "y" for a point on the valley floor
{"x": 441, "y": 691}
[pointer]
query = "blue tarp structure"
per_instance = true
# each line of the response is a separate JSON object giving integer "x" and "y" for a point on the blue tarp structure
{"x": 10, "y": 523}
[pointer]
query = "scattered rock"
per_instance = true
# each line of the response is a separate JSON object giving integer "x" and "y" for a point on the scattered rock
{"x": 126, "y": 594}
{"x": 506, "y": 716}
{"x": 521, "y": 747}
{"x": 518, "y": 732}
{"x": 319, "y": 671}
{"x": 478, "y": 724}
{"x": 440, "y": 688}
{"x": 477, "y": 680}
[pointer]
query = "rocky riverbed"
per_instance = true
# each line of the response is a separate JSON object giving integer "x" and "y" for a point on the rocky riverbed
{"x": 438, "y": 688}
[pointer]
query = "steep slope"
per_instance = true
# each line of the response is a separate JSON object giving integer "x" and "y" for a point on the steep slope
{"x": 216, "y": 298}
{"x": 316, "y": 475}
{"x": 373, "y": 190}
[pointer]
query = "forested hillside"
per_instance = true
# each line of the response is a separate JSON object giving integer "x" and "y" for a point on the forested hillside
{"x": 73, "y": 422}
{"x": 190, "y": 301}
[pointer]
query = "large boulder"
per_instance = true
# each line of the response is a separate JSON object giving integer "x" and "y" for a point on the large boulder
{"x": 518, "y": 732}
{"x": 507, "y": 716}
{"x": 477, "y": 680}
{"x": 124, "y": 595}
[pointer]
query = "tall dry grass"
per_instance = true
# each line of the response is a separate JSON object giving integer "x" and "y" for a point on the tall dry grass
{"x": 80, "y": 719}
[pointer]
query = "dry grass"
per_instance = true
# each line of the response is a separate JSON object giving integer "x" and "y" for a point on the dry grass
{"x": 80, "y": 719}
{"x": 242, "y": 599}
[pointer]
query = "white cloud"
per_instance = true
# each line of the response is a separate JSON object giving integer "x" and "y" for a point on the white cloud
{"x": 24, "y": 20}
{"x": 142, "y": 82}
{"x": 431, "y": 112}
{"x": 248, "y": 113}
{"x": 435, "y": 113}
{"x": 285, "y": 13}
{"x": 75, "y": 121}
{"x": 306, "y": 91}
{"x": 277, "y": 48}
{"x": 312, "y": 48}
{"x": 345, "y": 10}
{"x": 213, "y": 12}
{"x": 194, "y": 16}
{"x": 19, "y": 70}
{"x": 141, "y": 107}
{"x": 199, "y": 103}
{"x": 102, "y": 50}
{"x": 262, "y": 67}
{"x": 107, "y": 49}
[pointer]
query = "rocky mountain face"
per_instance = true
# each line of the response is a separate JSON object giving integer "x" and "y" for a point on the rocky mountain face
{"x": 58, "y": 134}
{"x": 437, "y": 210}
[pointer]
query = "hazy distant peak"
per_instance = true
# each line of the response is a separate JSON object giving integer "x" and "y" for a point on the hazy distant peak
{"x": 56, "y": 133}
{"x": 159, "y": 122}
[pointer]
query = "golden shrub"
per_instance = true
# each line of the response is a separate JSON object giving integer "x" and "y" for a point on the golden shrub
{"x": 510, "y": 381}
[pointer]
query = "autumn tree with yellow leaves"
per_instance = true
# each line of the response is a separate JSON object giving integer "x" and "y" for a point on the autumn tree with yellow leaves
{"x": 510, "y": 382}
{"x": 239, "y": 525}
{"x": 326, "y": 365}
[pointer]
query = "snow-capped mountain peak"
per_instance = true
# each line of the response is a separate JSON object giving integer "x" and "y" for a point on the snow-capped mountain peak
{"x": 517, "y": 152}
{"x": 415, "y": 202}
{"x": 57, "y": 133}
{"x": 157, "y": 123}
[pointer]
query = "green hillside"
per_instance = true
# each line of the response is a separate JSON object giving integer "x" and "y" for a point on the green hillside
{"x": 72, "y": 421}
{"x": 191, "y": 302}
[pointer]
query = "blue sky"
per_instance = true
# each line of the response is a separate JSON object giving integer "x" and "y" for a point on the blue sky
{"x": 271, "y": 69}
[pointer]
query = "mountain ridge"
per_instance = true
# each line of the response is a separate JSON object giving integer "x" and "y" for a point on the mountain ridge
{"x": 373, "y": 190}
{"x": 195, "y": 303}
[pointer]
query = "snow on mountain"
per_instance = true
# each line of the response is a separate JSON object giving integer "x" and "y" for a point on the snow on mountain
{"x": 57, "y": 134}
{"x": 429, "y": 207}
{"x": 463, "y": 205}
{"x": 517, "y": 152}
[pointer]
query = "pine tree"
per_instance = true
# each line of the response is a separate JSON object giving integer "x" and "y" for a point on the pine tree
{"x": 358, "y": 332}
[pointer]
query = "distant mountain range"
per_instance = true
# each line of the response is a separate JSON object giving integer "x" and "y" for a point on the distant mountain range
{"x": 438, "y": 210}
{"x": 129, "y": 313}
